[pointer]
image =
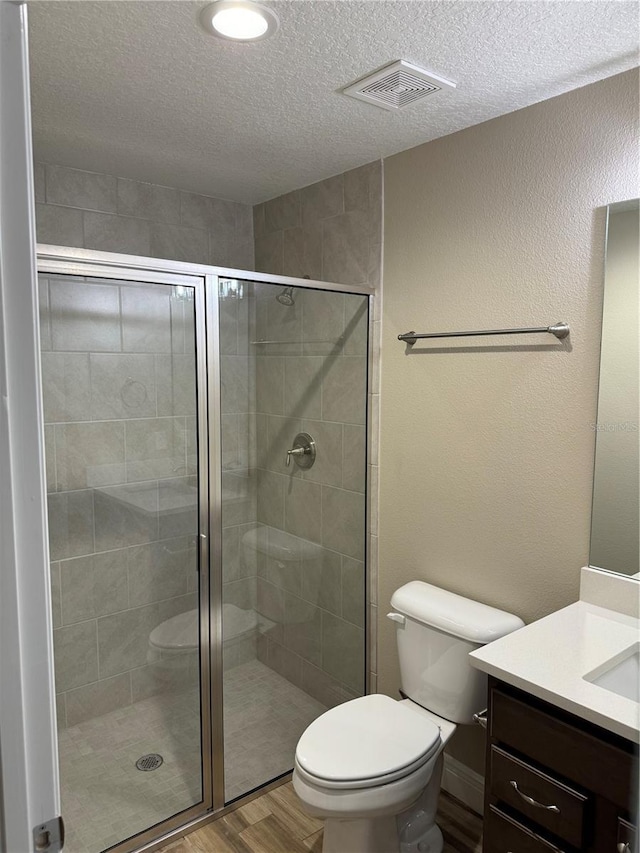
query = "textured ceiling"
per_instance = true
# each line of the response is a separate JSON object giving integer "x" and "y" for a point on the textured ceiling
{"x": 138, "y": 89}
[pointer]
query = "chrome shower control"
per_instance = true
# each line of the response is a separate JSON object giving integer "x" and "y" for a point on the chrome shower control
{"x": 303, "y": 451}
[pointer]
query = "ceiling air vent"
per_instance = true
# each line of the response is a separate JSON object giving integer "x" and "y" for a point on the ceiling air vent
{"x": 397, "y": 85}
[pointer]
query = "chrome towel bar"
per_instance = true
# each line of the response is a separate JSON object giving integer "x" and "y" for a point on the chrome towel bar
{"x": 560, "y": 330}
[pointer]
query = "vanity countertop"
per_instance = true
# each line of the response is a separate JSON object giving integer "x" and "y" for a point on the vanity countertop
{"x": 549, "y": 658}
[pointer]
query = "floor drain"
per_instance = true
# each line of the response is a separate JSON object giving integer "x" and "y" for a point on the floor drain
{"x": 149, "y": 762}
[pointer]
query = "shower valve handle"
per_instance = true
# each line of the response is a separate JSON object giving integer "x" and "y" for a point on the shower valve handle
{"x": 303, "y": 451}
{"x": 297, "y": 451}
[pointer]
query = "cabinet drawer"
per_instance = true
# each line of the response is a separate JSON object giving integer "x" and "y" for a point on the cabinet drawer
{"x": 502, "y": 834}
{"x": 555, "y": 806}
{"x": 588, "y": 761}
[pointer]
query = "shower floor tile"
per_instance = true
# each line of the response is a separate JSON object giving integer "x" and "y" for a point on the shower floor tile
{"x": 105, "y": 799}
{"x": 264, "y": 716}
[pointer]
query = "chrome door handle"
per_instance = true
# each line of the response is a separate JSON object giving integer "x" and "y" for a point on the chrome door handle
{"x": 623, "y": 847}
{"x": 531, "y": 801}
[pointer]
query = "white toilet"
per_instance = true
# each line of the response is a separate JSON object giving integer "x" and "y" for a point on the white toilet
{"x": 371, "y": 768}
{"x": 174, "y": 645}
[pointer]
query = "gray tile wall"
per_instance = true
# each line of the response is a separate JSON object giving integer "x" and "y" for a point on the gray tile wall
{"x": 118, "y": 370}
{"x": 329, "y": 231}
{"x": 314, "y": 383}
{"x": 81, "y": 375}
{"x": 110, "y": 214}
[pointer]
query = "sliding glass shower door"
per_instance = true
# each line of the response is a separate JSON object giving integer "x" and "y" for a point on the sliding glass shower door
{"x": 125, "y": 417}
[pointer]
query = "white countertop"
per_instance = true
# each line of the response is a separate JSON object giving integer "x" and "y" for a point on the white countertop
{"x": 549, "y": 658}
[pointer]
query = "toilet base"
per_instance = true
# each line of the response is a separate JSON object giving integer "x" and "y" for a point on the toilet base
{"x": 414, "y": 830}
{"x": 378, "y": 835}
{"x": 417, "y": 828}
{"x": 431, "y": 842}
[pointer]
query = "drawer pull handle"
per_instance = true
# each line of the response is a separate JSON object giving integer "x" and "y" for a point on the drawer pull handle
{"x": 531, "y": 801}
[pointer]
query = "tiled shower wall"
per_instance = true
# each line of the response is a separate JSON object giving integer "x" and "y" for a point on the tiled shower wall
{"x": 330, "y": 231}
{"x": 91, "y": 580}
{"x": 315, "y": 384}
{"x": 110, "y": 214}
{"x": 118, "y": 367}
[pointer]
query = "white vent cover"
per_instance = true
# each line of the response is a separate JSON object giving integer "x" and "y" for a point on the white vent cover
{"x": 397, "y": 85}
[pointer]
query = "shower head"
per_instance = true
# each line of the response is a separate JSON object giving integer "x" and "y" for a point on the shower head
{"x": 286, "y": 297}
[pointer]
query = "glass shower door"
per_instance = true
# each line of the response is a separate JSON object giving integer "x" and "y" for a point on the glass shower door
{"x": 293, "y": 376}
{"x": 124, "y": 406}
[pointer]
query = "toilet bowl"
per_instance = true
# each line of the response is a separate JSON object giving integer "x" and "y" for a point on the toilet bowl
{"x": 363, "y": 763}
{"x": 372, "y": 767}
{"x": 174, "y": 644}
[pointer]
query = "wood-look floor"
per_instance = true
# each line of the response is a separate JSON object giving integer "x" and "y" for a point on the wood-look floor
{"x": 277, "y": 823}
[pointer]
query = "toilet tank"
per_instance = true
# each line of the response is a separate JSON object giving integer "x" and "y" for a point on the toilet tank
{"x": 435, "y": 632}
{"x": 264, "y": 545}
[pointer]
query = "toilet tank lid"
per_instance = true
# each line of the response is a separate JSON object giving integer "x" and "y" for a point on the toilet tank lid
{"x": 454, "y": 614}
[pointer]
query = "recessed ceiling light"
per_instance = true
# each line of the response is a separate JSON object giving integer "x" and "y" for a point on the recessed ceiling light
{"x": 239, "y": 20}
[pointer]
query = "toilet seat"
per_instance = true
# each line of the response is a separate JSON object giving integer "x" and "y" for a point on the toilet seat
{"x": 365, "y": 743}
{"x": 177, "y": 634}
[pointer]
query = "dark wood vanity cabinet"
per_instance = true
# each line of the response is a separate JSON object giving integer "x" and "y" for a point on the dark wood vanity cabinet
{"x": 555, "y": 782}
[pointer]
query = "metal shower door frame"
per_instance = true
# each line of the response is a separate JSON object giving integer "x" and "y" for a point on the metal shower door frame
{"x": 86, "y": 262}
{"x": 205, "y": 318}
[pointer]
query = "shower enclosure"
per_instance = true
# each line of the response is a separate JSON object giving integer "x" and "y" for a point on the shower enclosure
{"x": 205, "y": 440}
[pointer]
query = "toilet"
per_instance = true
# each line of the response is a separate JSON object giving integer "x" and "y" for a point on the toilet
{"x": 371, "y": 768}
{"x": 174, "y": 647}
{"x": 279, "y": 556}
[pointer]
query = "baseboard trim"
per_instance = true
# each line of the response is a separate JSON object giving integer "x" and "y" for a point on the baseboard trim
{"x": 463, "y": 783}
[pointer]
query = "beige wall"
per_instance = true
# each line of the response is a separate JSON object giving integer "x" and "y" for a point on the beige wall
{"x": 486, "y": 446}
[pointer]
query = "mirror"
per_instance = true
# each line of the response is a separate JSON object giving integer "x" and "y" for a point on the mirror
{"x": 615, "y": 524}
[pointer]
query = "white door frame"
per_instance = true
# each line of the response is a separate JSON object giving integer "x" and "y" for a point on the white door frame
{"x": 29, "y": 793}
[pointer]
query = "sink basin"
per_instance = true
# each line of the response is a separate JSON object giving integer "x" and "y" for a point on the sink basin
{"x": 621, "y": 674}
